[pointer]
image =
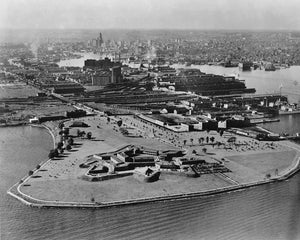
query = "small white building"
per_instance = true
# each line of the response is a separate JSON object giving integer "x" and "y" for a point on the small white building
{"x": 34, "y": 120}
{"x": 222, "y": 124}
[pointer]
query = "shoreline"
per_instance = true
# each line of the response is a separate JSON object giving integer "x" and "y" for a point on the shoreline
{"x": 55, "y": 204}
{"x": 48, "y": 129}
{"x": 15, "y": 192}
{"x": 13, "y": 124}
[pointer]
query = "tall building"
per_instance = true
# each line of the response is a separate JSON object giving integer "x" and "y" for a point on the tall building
{"x": 99, "y": 41}
{"x": 104, "y": 71}
{"x": 116, "y": 75}
{"x": 100, "y": 36}
{"x": 101, "y": 78}
{"x": 100, "y": 64}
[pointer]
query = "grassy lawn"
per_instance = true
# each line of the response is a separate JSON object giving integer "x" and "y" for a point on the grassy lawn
{"x": 265, "y": 162}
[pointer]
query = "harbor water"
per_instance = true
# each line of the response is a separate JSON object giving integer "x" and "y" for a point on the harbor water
{"x": 270, "y": 211}
{"x": 289, "y": 124}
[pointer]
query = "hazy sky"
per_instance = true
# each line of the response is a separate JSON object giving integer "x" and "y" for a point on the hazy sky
{"x": 151, "y": 14}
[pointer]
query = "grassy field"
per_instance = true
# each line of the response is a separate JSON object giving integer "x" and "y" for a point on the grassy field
{"x": 122, "y": 189}
{"x": 265, "y": 162}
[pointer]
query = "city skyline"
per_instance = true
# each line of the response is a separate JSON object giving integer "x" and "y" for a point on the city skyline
{"x": 151, "y": 14}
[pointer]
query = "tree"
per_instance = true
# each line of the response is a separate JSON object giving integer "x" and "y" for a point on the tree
{"x": 61, "y": 125}
{"x": 212, "y": 139}
{"x": 60, "y": 145}
{"x": 221, "y": 133}
{"x": 137, "y": 151}
{"x": 108, "y": 119}
{"x": 204, "y": 150}
{"x": 82, "y": 134}
{"x": 78, "y": 133}
{"x": 56, "y": 153}
{"x": 68, "y": 147}
{"x": 89, "y": 135}
{"x": 192, "y": 140}
{"x": 51, "y": 154}
{"x": 184, "y": 142}
{"x": 70, "y": 141}
{"x": 200, "y": 141}
{"x": 120, "y": 122}
{"x": 207, "y": 139}
{"x": 66, "y": 131}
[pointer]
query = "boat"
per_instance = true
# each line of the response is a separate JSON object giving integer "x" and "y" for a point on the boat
{"x": 269, "y": 67}
{"x": 245, "y": 66}
{"x": 229, "y": 64}
{"x": 282, "y": 112}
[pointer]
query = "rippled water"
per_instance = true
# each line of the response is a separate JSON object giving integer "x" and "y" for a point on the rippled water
{"x": 266, "y": 212}
{"x": 288, "y": 124}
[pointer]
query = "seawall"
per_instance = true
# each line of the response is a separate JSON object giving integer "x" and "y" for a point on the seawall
{"x": 47, "y": 204}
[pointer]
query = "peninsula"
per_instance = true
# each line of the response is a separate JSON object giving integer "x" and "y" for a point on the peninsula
{"x": 98, "y": 170}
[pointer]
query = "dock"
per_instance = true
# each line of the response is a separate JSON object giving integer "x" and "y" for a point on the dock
{"x": 264, "y": 120}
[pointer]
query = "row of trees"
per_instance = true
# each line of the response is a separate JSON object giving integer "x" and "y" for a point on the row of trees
{"x": 64, "y": 144}
{"x": 83, "y": 134}
{"x": 66, "y": 141}
{"x": 201, "y": 140}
